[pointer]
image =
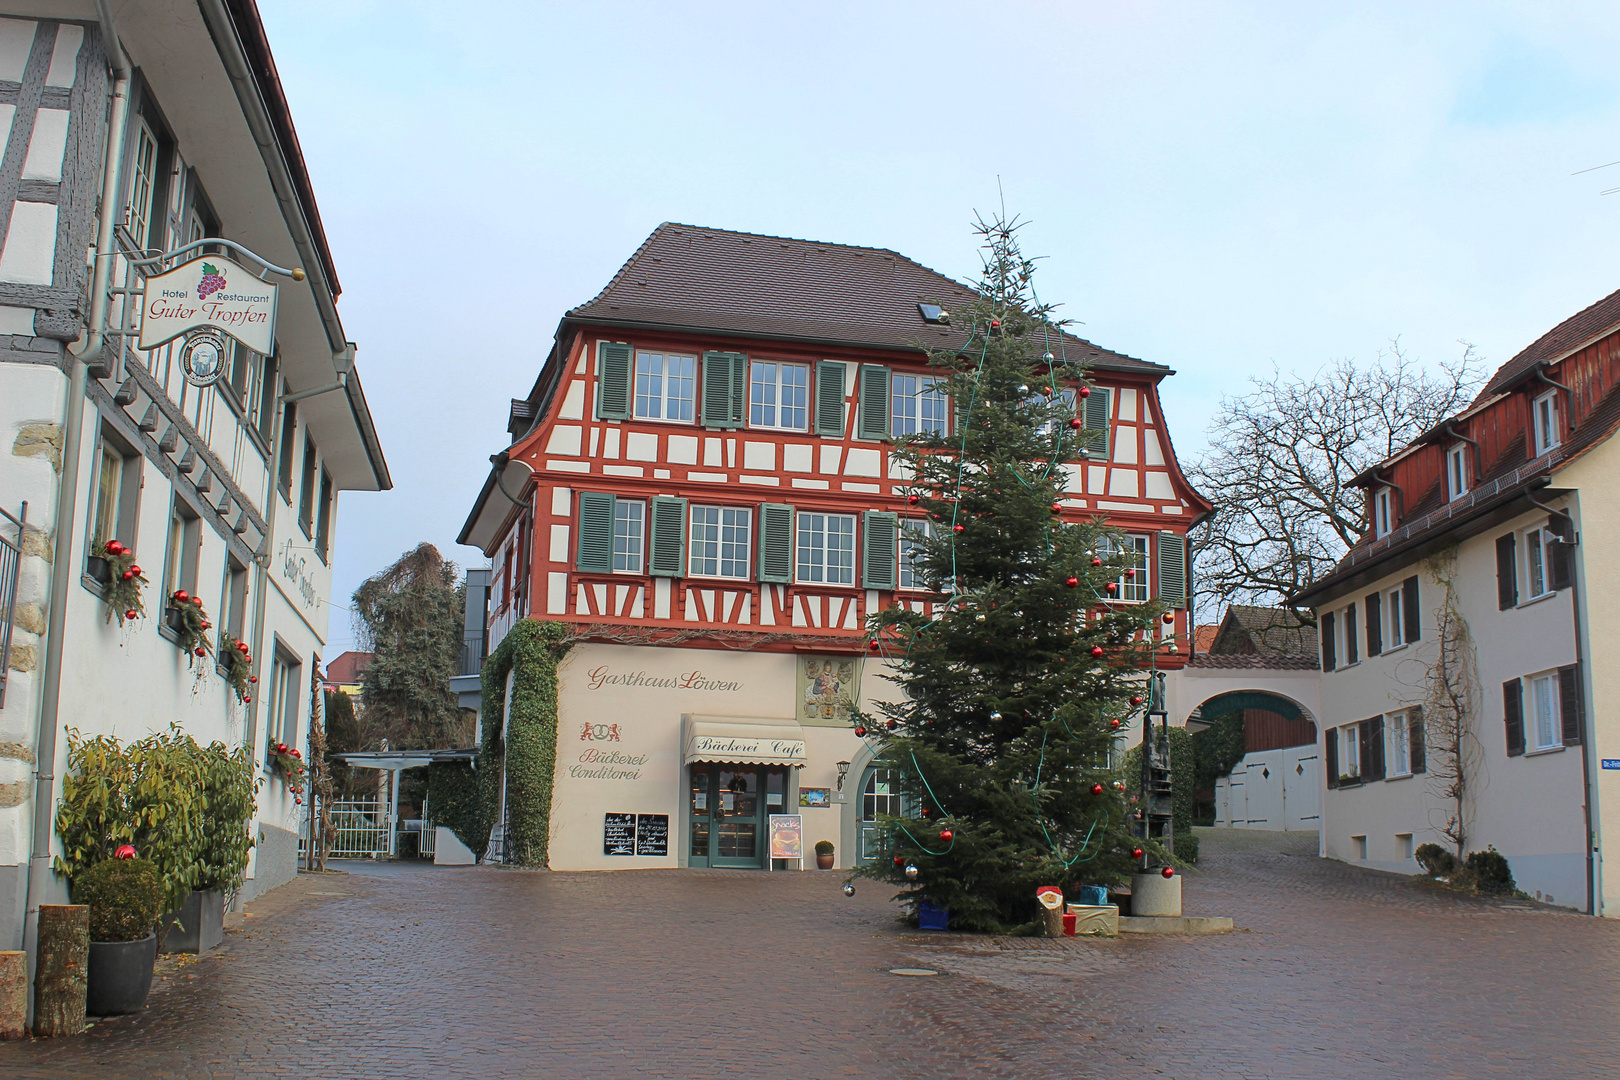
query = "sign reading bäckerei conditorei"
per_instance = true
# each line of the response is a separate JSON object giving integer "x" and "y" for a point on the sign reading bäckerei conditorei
{"x": 209, "y": 291}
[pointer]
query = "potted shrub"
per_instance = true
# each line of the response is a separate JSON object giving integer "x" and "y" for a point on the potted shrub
{"x": 125, "y": 895}
{"x": 227, "y": 784}
{"x": 824, "y": 854}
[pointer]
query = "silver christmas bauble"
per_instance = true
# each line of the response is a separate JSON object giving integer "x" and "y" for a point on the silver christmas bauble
{"x": 911, "y": 872}
{"x": 1022, "y": 388}
{"x": 849, "y": 890}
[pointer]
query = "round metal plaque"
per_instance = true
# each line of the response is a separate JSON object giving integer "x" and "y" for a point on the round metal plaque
{"x": 202, "y": 357}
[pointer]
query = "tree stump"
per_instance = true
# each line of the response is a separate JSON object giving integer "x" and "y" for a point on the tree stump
{"x": 13, "y": 994}
{"x": 64, "y": 954}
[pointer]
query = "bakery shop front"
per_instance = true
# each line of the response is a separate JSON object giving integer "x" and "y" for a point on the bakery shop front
{"x": 672, "y": 756}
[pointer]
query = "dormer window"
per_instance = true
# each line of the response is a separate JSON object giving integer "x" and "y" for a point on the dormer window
{"x": 1545, "y": 413}
{"x": 1383, "y": 520}
{"x": 1456, "y": 471}
{"x": 933, "y": 313}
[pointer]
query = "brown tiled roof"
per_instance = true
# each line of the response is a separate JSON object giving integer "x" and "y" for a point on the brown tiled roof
{"x": 688, "y": 277}
{"x": 1272, "y": 661}
{"x": 1267, "y": 631}
{"x": 1204, "y": 637}
{"x": 1568, "y": 335}
{"x": 346, "y": 668}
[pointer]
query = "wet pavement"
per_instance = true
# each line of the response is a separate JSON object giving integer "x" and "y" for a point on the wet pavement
{"x": 394, "y": 970}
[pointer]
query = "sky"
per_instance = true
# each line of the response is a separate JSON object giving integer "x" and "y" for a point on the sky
{"x": 1224, "y": 188}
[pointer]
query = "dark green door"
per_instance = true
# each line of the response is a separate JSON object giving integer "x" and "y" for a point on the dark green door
{"x": 729, "y": 807}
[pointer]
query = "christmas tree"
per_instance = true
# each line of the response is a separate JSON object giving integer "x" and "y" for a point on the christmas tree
{"x": 1019, "y": 681}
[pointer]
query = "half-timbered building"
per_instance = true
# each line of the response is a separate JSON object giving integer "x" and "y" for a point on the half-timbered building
{"x": 1464, "y": 692}
{"x": 701, "y": 484}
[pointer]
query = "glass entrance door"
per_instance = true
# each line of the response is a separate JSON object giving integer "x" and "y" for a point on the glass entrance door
{"x": 728, "y": 807}
{"x": 880, "y": 798}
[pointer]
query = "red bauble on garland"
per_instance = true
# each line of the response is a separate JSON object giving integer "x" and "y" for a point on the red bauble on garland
{"x": 114, "y": 547}
{"x": 860, "y": 733}
{"x": 181, "y": 596}
{"x": 1072, "y": 582}
{"x": 1168, "y": 872}
{"x": 1113, "y": 587}
{"x": 128, "y": 575}
{"x": 131, "y": 613}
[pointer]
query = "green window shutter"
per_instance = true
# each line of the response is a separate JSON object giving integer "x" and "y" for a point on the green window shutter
{"x": 666, "y": 556}
{"x": 830, "y": 399}
{"x": 725, "y": 389}
{"x": 1173, "y": 569}
{"x": 872, "y": 414}
{"x": 612, "y": 381}
{"x": 1513, "y": 716}
{"x": 881, "y": 550}
{"x": 776, "y": 543}
{"x": 1098, "y": 412}
{"x": 595, "y": 533}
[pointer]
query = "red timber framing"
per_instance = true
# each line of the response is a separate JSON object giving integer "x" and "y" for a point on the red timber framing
{"x": 589, "y": 466}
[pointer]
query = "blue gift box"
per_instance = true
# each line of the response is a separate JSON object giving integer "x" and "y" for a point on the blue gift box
{"x": 931, "y": 917}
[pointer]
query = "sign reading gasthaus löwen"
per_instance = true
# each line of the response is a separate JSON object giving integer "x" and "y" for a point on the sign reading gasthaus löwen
{"x": 209, "y": 291}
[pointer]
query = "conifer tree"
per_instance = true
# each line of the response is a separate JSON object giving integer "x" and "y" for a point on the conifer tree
{"x": 1019, "y": 681}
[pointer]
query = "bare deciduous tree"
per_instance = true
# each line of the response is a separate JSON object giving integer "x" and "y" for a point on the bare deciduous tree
{"x": 1281, "y": 459}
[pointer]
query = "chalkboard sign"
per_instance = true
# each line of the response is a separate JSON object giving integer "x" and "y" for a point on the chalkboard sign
{"x": 619, "y": 834}
{"x": 652, "y": 834}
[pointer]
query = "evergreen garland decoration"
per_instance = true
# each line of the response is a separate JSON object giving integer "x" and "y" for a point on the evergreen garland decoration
{"x": 1018, "y": 683}
{"x": 190, "y": 624}
{"x": 523, "y": 750}
{"x": 237, "y": 661}
{"x": 123, "y": 590}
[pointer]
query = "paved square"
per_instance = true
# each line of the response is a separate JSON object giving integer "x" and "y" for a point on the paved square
{"x": 409, "y": 971}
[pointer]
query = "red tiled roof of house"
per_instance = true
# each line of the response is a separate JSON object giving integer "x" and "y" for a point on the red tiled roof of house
{"x": 1274, "y": 661}
{"x": 346, "y": 668}
{"x": 1575, "y": 331}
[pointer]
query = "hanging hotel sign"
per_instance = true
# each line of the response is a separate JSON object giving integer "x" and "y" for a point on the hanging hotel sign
{"x": 211, "y": 293}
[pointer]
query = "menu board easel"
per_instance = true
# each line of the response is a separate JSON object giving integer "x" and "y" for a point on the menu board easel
{"x": 787, "y": 838}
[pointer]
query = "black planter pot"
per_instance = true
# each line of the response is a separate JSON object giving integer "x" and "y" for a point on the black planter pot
{"x": 99, "y": 569}
{"x": 174, "y": 619}
{"x": 198, "y": 926}
{"x": 119, "y": 976}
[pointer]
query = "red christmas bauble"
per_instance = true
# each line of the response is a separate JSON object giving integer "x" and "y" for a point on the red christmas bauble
{"x": 958, "y": 528}
{"x": 128, "y": 574}
{"x": 912, "y": 499}
{"x": 873, "y": 645}
{"x": 130, "y": 614}
{"x": 281, "y": 748}
{"x": 241, "y": 646}
{"x": 1096, "y": 561}
{"x": 1130, "y": 575}
{"x": 1057, "y": 508}
{"x": 860, "y": 733}
{"x": 1169, "y": 617}
{"x": 1113, "y": 586}
{"x": 1168, "y": 872}
{"x": 197, "y": 600}
{"x": 891, "y": 725}
{"x": 1072, "y": 582}
{"x": 294, "y": 752}
{"x": 1113, "y": 723}
{"x": 181, "y": 596}
{"x": 995, "y": 324}
{"x": 247, "y": 699}
{"x": 945, "y": 835}
{"x": 898, "y": 861}
{"x": 925, "y": 811}
{"x": 200, "y": 651}
{"x": 207, "y": 625}
{"x": 253, "y": 678}
{"x": 1096, "y": 650}
{"x": 114, "y": 548}
{"x": 134, "y": 569}
{"x": 1136, "y": 700}
{"x": 125, "y": 851}
{"x": 1085, "y": 391}
{"x": 1077, "y": 423}
{"x": 1096, "y": 789}
{"x": 1136, "y": 853}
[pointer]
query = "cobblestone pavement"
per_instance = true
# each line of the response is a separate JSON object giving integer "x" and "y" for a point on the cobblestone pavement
{"x": 406, "y": 971}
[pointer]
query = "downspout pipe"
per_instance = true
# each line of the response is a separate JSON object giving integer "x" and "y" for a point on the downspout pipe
{"x": 67, "y": 495}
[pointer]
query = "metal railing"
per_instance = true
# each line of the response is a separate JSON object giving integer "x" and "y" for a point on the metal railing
{"x": 360, "y": 828}
{"x": 10, "y": 572}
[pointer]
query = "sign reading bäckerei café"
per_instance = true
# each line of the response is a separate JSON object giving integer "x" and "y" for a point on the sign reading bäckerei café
{"x": 747, "y": 748}
{"x": 209, "y": 291}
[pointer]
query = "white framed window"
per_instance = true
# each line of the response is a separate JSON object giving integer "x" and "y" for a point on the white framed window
{"x": 1545, "y": 412}
{"x": 1400, "y": 743}
{"x": 666, "y": 386}
{"x": 1395, "y": 632}
{"x": 1350, "y": 750}
{"x": 1382, "y": 518}
{"x": 629, "y": 535}
{"x": 826, "y": 549}
{"x": 1055, "y": 423}
{"x": 1536, "y": 563}
{"x": 142, "y": 182}
{"x": 719, "y": 542}
{"x": 917, "y": 404}
{"x": 1547, "y": 729}
{"x": 779, "y": 396}
{"x": 1133, "y": 578}
{"x": 912, "y": 532}
{"x": 1456, "y": 471}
